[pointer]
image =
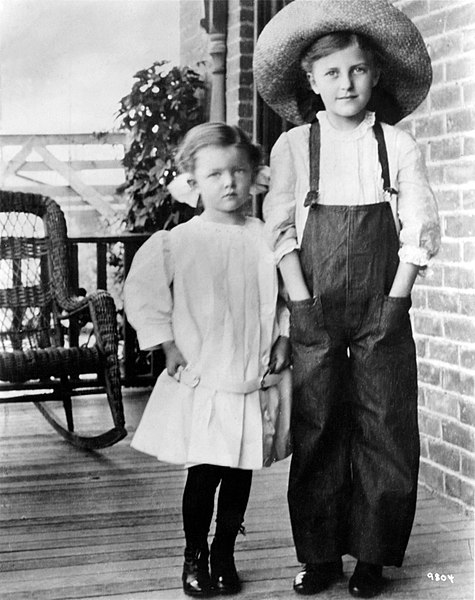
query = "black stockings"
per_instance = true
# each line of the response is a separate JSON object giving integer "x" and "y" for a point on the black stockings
{"x": 198, "y": 502}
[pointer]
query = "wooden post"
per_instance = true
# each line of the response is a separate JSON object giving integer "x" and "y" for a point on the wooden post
{"x": 215, "y": 24}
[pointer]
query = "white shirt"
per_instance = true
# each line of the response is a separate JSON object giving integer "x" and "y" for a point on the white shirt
{"x": 350, "y": 174}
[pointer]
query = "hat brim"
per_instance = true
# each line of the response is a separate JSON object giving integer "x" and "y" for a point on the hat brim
{"x": 406, "y": 73}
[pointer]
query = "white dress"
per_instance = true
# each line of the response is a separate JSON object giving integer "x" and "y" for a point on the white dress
{"x": 213, "y": 289}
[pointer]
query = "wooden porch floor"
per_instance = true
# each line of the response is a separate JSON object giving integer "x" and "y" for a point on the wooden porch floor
{"x": 75, "y": 524}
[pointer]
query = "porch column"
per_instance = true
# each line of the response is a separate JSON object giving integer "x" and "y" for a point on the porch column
{"x": 215, "y": 24}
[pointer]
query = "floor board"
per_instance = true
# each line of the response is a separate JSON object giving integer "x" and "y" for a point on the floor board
{"x": 107, "y": 525}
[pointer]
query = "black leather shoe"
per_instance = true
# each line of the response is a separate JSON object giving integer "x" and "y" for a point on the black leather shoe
{"x": 224, "y": 577}
{"x": 196, "y": 579}
{"x": 317, "y": 577}
{"x": 367, "y": 580}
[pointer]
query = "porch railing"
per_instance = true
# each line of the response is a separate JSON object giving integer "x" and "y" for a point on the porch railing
{"x": 65, "y": 166}
{"x": 138, "y": 368}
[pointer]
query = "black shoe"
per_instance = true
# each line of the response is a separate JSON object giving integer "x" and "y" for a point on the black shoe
{"x": 317, "y": 577}
{"x": 226, "y": 580}
{"x": 195, "y": 578}
{"x": 367, "y": 580}
{"x": 224, "y": 577}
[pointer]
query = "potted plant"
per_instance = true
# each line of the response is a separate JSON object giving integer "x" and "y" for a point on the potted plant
{"x": 164, "y": 103}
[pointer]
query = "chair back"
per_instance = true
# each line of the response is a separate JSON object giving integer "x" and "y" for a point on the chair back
{"x": 33, "y": 271}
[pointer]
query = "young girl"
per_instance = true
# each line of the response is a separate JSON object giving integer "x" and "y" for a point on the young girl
{"x": 349, "y": 263}
{"x": 206, "y": 292}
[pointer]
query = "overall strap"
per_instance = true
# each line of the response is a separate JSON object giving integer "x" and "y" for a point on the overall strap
{"x": 383, "y": 157}
{"x": 383, "y": 160}
{"x": 314, "y": 163}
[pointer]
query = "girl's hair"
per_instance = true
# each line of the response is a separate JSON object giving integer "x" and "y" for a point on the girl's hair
{"x": 333, "y": 42}
{"x": 214, "y": 134}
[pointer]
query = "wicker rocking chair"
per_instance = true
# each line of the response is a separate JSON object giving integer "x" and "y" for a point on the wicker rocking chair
{"x": 40, "y": 319}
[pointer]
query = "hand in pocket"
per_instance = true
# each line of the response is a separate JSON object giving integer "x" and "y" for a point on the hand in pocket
{"x": 394, "y": 320}
{"x": 306, "y": 322}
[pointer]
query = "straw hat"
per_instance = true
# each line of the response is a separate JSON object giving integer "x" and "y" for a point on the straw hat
{"x": 406, "y": 70}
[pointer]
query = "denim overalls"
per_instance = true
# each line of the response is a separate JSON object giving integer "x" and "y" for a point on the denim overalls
{"x": 353, "y": 476}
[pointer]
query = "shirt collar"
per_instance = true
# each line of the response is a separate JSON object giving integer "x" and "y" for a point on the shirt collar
{"x": 353, "y": 134}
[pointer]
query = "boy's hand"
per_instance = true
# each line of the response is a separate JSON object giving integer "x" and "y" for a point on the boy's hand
{"x": 173, "y": 357}
{"x": 280, "y": 355}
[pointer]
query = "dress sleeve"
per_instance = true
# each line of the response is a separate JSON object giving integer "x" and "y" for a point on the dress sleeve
{"x": 148, "y": 298}
{"x": 279, "y": 204}
{"x": 417, "y": 207}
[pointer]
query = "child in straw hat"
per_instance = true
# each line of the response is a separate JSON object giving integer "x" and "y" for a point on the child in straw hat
{"x": 352, "y": 221}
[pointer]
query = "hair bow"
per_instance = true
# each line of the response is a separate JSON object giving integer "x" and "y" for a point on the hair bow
{"x": 261, "y": 183}
{"x": 182, "y": 191}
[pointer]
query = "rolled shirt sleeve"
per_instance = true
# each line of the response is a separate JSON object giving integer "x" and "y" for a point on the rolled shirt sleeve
{"x": 279, "y": 203}
{"x": 417, "y": 207}
{"x": 148, "y": 298}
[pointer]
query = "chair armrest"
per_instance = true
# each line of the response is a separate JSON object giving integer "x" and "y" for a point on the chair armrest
{"x": 104, "y": 319}
{"x": 72, "y": 305}
{"x": 101, "y": 310}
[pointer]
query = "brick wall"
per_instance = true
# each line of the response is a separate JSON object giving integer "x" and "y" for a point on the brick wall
{"x": 239, "y": 79}
{"x": 444, "y": 302}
